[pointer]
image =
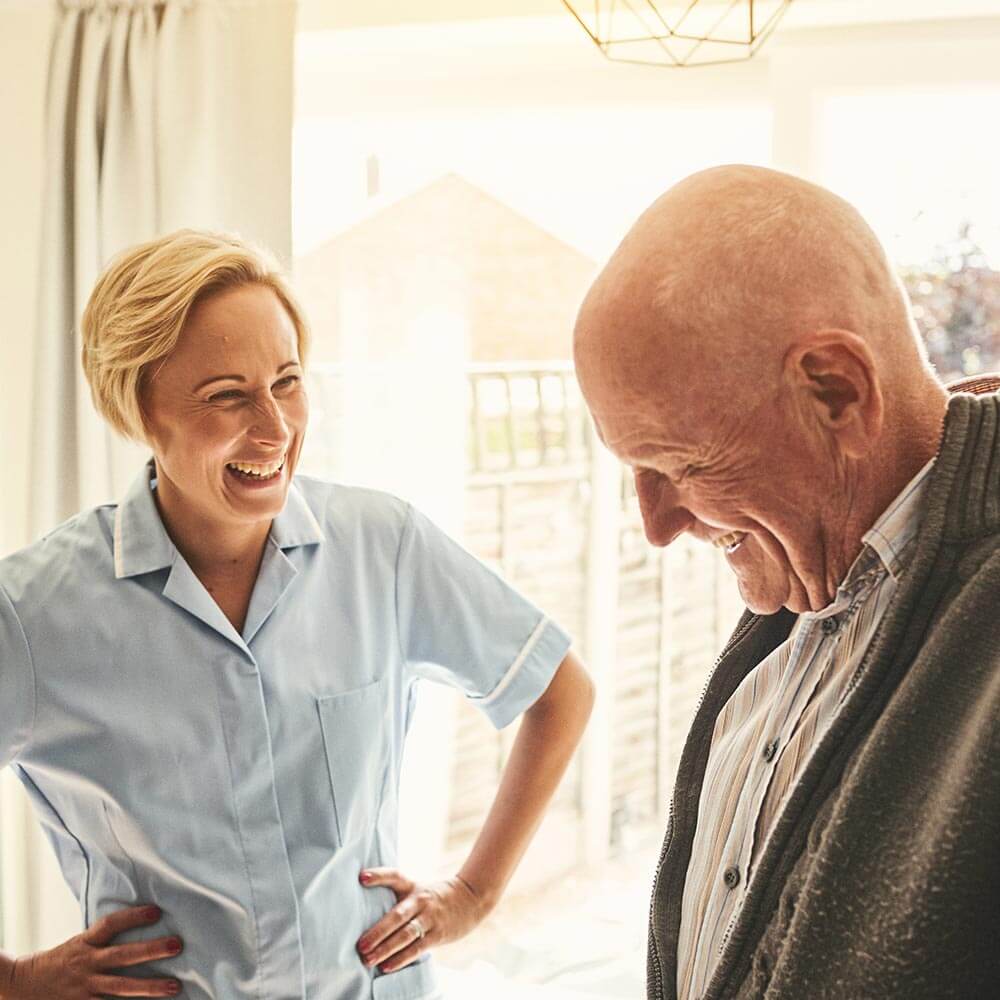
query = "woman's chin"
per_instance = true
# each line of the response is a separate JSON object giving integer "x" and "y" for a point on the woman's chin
{"x": 253, "y": 506}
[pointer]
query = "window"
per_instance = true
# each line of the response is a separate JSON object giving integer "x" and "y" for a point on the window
{"x": 931, "y": 194}
{"x": 456, "y": 188}
{"x": 444, "y": 237}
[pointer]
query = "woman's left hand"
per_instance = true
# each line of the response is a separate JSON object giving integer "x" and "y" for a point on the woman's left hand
{"x": 424, "y": 916}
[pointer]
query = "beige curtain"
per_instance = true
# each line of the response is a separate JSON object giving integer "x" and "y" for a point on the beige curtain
{"x": 160, "y": 115}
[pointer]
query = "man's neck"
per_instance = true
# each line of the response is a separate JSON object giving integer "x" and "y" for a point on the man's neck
{"x": 906, "y": 448}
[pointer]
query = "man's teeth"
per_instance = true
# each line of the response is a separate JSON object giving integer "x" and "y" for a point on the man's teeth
{"x": 260, "y": 471}
{"x": 730, "y": 541}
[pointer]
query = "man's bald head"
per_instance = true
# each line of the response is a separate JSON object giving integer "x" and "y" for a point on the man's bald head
{"x": 728, "y": 268}
{"x": 749, "y": 351}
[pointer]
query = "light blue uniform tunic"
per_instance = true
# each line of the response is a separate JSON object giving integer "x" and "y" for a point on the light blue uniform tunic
{"x": 242, "y": 782}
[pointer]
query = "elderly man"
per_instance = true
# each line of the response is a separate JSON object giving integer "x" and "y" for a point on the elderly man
{"x": 836, "y": 817}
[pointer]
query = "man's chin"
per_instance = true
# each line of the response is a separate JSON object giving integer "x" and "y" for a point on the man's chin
{"x": 760, "y": 606}
{"x": 764, "y": 600}
{"x": 769, "y": 604}
{"x": 767, "y": 585}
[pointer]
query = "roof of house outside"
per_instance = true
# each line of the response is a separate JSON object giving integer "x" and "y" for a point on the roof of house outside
{"x": 449, "y": 252}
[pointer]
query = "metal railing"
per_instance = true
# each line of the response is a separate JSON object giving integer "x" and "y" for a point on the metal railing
{"x": 526, "y": 417}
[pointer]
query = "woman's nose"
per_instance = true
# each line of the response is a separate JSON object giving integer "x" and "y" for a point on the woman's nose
{"x": 269, "y": 426}
{"x": 663, "y": 515}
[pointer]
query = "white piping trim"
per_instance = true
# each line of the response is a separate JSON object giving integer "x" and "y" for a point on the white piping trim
{"x": 516, "y": 665}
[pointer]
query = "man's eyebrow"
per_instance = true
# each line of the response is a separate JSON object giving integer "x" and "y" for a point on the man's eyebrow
{"x": 237, "y": 378}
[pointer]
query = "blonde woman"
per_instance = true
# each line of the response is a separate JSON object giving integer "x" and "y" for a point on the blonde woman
{"x": 205, "y": 689}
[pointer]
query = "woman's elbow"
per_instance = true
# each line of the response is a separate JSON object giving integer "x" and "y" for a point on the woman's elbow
{"x": 570, "y": 695}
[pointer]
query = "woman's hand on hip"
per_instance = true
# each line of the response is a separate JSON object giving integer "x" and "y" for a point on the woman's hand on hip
{"x": 424, "y": 916}
{"x": 81, "y": 968}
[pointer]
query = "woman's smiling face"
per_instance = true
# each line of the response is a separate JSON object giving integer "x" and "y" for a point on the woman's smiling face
{"x": 226, "y": 412}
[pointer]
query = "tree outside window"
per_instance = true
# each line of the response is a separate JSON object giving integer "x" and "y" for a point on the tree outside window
{"x": 956, "y": 304}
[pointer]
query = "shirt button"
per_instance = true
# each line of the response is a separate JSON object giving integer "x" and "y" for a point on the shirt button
{"x": 829, "y": 626}
{"x": 731, "y": 876}
{"x": 770, "y": 750}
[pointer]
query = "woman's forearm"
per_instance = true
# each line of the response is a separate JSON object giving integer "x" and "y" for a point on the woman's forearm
{"x": 549, "y": 733}
{"x": 432, "y": 914}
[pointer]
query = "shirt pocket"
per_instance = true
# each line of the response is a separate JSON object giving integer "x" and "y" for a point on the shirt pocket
{"x": 415, "y": 982}
{"x": 356, "y": 743}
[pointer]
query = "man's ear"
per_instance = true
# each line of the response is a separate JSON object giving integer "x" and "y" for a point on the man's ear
{"x": 835, "y": 374}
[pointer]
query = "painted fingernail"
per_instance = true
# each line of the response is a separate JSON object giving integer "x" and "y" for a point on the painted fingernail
{"x": 174, "y": 988}
{"x": 366, "y": 876}
{"x": 174, "y": 945}
{"x": 151, "y": 913}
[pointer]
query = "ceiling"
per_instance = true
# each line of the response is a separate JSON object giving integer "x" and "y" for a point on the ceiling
{"x": 326, "y": 14}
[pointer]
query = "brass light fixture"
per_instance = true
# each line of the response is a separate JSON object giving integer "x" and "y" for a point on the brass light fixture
{"x": 678, "y": 32}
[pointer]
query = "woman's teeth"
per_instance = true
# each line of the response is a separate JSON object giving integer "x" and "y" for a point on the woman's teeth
{"x": 730, "y": 542}
{"x": 256, "y": 470}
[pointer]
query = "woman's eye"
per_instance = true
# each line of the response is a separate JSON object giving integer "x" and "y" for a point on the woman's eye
{"x": 229, "y": 395}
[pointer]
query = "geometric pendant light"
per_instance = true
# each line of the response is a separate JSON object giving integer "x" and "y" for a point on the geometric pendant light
{"x": 678, "y": 32}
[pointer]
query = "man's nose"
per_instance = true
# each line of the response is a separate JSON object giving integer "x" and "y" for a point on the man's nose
{"x": 663, "y": 515}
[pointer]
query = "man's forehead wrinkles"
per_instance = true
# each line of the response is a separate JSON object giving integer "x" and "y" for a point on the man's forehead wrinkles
{"x": 638, "y": 445}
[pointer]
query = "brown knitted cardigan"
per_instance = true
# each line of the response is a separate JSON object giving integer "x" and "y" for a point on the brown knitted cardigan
{"x": 882, "y": 878}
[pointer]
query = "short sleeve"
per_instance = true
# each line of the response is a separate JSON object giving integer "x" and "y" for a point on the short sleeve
{"x": 460, "y": 624}
{"x": 17, "y": 684}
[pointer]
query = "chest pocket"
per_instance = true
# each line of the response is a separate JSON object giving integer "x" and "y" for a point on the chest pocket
{"x": 356, "y": 740}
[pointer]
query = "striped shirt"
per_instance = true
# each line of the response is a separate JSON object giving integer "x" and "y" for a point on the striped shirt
{"x": 764, "y": 734}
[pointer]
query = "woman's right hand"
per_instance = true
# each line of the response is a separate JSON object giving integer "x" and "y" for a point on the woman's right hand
{"x": 79, "y": 969}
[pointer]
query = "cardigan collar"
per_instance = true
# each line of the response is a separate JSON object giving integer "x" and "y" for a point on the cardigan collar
{"x": 964, "y": 492}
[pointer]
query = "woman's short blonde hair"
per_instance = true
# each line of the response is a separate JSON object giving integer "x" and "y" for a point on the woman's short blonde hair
{"x": 140, "y": 303}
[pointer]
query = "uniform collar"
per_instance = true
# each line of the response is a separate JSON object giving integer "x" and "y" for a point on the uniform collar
{"x": 296, "y": 524}
{"x": 141, "y": 542}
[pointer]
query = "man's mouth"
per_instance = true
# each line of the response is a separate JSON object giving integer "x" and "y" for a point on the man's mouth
{"x": 730, "y": 541}
{"x": 257, "y": 471}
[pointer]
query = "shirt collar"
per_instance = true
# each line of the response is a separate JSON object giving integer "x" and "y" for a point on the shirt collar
{"x": 141, "y": 542}
{"x": 886, "y": 546}
{"x": 890, "y": 536}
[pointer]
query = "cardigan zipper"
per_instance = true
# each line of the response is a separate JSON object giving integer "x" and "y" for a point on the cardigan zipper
{"x": 668, "y": 838}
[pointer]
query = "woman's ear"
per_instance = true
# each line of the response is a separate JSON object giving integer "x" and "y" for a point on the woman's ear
{"x": 835, "y": 375}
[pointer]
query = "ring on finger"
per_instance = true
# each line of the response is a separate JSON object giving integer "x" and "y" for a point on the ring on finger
{"x": 418, "y": 927}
